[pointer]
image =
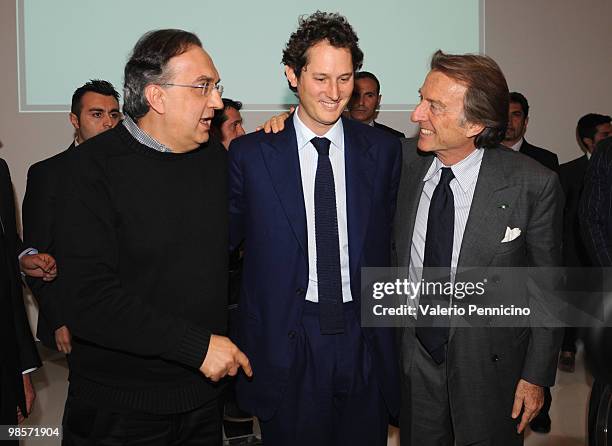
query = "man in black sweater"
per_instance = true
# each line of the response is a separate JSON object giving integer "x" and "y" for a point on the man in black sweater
{"x": 143, "y": 251}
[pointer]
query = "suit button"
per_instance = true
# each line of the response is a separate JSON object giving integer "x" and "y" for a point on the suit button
{"x": 291, "y": 334}
{"x": 494, "y": 358}
{"x": 300, "y": 291}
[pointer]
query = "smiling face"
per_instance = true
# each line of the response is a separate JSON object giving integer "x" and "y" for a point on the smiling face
{"x": 364, "y": 101}
{"x": 98, "y": 114}
{"x": 443, "y": 128}
{"x": 186, "y": 113}
{"x": 324, "y": 87}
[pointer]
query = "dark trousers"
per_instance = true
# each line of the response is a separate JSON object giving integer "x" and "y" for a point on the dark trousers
{"x": 431, "y": 422}
{"x": 332, "y": 397}
{"x": 85, "y": 424}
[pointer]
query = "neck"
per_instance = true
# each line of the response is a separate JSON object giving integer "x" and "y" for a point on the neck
{"x": 451, "y": 157}
{"x": 157, "y": 129}
{"x": 317, "y": 128}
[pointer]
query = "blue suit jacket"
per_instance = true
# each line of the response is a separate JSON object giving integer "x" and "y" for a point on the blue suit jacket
{"x": 267, "y": 211}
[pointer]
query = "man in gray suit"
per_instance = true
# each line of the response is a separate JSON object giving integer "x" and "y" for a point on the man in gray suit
{"x": 466, "y": 202}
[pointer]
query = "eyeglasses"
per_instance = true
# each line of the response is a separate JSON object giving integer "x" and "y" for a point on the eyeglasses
{"x": 205, "y": 88}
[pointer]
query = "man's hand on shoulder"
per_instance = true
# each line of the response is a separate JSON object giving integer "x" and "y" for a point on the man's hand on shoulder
{"x": 39, "y": 265}
{"x": 530, "y": 398}
{"x": 276, "y": 123}
{"x": 224, "y": 358}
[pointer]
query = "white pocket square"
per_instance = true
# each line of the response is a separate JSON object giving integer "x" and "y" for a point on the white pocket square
{"x": 511, "y": 234}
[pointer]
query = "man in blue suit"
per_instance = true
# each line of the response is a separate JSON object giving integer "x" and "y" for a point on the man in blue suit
{"x": 314, "y": 204}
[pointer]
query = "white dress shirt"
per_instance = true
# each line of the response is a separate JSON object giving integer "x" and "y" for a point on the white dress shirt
{"x": 308, "y": 167}
{"x": 463, "y": 186}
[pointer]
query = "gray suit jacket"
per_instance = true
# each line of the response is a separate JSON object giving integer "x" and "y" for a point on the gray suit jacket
{"x": 484, "y": 364}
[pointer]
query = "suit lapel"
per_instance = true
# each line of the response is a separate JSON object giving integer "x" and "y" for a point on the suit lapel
{"x": 360, "y": 172}
{"x": 492, "y": 204}
{"x": 281, "y": 159}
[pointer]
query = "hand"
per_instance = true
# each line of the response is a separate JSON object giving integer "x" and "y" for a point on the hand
{"x": 39, "y": 265}
{"x": 530, "y": 397}
{"x": 224, "y": 358}
{"x": 63, "y": 339}
{"x": 276, "y": 123}
{"x": 30, "y": 396}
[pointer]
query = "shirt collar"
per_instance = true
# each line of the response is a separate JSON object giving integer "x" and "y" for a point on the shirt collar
{"x": 143, "y": 137}
{"x": 516, "y": 147}
{"x": 304, "y": 134}
{"x": 465, "y": 171}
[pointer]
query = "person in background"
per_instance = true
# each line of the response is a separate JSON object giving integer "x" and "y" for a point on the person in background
{"x": 226, "y": 125}
{"x": 518, "y": 118}
{"x": 95, "y": 109}
{"x": 18, "y": 354}
{"x": 591, "y": 129}
{"x": 364, "y": 103}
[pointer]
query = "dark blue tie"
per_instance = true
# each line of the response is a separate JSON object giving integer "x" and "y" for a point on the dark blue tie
{"x": 328, "y": 247}
{"x": 433, "y": 331}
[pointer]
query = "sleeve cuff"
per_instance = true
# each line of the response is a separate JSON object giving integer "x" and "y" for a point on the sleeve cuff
{"x": 192, "y": 347}
{"x": 27, "y": 252}
{"x": 30, "y": 370}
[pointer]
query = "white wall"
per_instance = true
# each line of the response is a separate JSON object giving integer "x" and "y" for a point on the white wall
{"x": 558, "y": 53}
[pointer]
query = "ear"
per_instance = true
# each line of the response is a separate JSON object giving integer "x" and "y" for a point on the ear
{"x": 378, "y": 102}
{"x": 473, "y": 129}
{"x": 588, "y": 143}
{"x": 526, "y": 122}
{"x": 156, "y": 97}
{"x": 74, "y": 120}
{"x": 291, "y": 76}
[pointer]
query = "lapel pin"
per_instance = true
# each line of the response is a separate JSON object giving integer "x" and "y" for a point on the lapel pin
{"x": 503, "y": 206}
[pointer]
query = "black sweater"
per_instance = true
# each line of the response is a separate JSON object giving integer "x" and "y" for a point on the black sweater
{"x": 142, "y": 253}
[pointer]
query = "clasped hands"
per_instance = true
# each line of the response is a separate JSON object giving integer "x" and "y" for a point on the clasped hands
{"x": 224, "y": 358}
{"x": 42, "y": 266}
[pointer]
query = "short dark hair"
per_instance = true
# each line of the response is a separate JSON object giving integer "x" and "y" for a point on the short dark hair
{"x": 147, "y": 65}
{"x": 368, "y": 75}
{"x": 587, "y": 125}
{"x": 315, "y": 28}
{"x": 518, "y": 98}
{"x": 95, "y": 86}
{"x": 220, "y": 116}
{"x": 486, "y": 98}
